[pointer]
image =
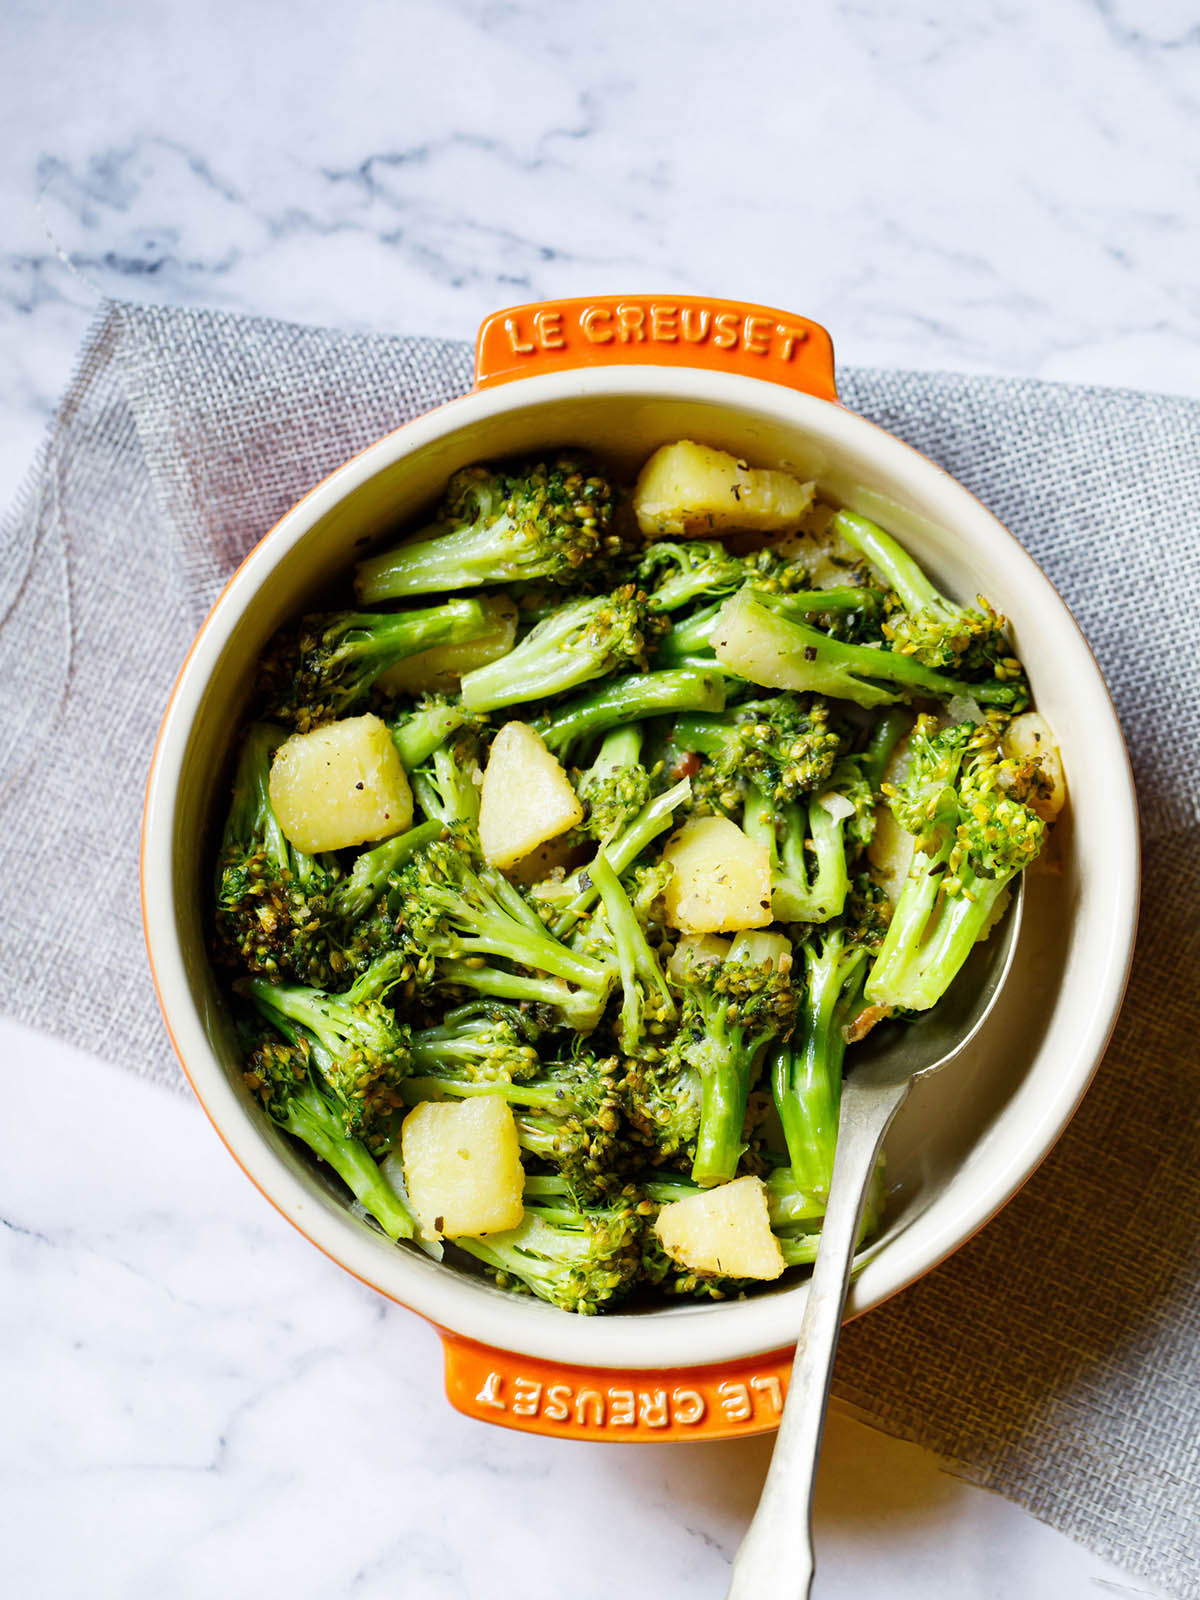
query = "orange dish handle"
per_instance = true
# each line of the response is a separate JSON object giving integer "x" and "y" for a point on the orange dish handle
{"x": 686, "y": 1403}
{"x": 657, "y": 331}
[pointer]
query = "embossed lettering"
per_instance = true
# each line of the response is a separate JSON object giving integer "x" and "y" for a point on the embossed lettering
{"x": 489, "y": 1395}
{"x": 653, "y": 1404}
{"x": 663, "y": 323}
{"x": 513, "y": 331}
{"x": 688, "y": 1406}
{"x": 695, "y": 324}
{"x": 756, "y": 335}
{"x": 595, "y": 1400}
{"x": 791, "y": 338}
{"x": 735, "y": 1401}
{"x": 558, "y": 1402}
{"x": 621, "y": 1413}
{"x": 596, "y": 322}
{"x": 725, "y": 330}
{"x": 631, "y": 324}
{"x": 526, "y": 1395}
{"x": 772, "y": 1388}
{"x": 549, "y": 329}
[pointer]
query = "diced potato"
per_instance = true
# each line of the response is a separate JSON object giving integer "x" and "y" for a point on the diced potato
{"x": 339, "y": 785}
{"x": 890, "y": 853}
{"x": 439, "y": 670}
{"x": 462, "y": 1166}
{"x": 763, "y": 947}
{"x": 689, "y": 490}
{"x": 553, "y": 858}
{"x": 756, "y": 643}
{"x": 720, "y": 879}
{"x": 696, "y": 950}
{"x": 1029, "y": 738}
{"x": 527, "y": 798}
{"x": 725, "y": 1230}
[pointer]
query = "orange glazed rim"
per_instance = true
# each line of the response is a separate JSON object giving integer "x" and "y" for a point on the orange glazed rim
{"x": 510, "y": 1359}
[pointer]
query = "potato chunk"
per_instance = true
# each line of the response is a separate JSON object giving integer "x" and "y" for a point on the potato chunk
{"x": 339, "y": 785}
{"x": 462, "y": 1166}
{"x": 1029, "y": 738}
{"x": 725, "y": 1230}
{"x": 527, "y": 798}
{"x": 438, "y": 671}
{"x": 720, "y": 879}
{"x": 689, "y": 490}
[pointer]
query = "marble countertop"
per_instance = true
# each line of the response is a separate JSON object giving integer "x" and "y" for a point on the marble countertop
{"x": 196, "y": 1402}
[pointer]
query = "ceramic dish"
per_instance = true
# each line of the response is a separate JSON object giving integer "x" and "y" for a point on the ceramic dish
{"x": 624, "y": 375}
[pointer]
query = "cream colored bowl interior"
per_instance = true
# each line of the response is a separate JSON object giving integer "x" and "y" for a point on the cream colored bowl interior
{"x": 968, "y": 1138}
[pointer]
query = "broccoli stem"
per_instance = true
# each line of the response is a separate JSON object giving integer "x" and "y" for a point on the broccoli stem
{"x": 310, "y": 1118}
{"x": 581, "y": 1008}
{"x": 419, "y": 734}
{"x": 790, "y": 654}
{"x": 886, "y": 734}
{"x": 892, "y": 562}
{"x": 643, "y": 986}
{"x": 809, "y": 874}
{"x": 724, "y": 1091}
{"x": 629, "y": 699}
{"x": 356, "y": 894}
{"x": 806, "y": 1072}
{"x": 621, "y": 853}
{"x": 931, "y": 934}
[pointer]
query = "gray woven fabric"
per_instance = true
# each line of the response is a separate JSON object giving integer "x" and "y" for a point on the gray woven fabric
{"x": 1053, "y": 1358}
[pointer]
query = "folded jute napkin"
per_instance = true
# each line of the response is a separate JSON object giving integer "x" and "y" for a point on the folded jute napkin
{"x": 1055, "y": 1357}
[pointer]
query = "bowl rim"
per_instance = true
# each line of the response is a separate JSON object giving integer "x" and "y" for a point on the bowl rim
{"x": 679, "y": 1336}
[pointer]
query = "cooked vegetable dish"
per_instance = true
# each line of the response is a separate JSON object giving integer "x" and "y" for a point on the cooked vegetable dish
{"x": 567, "y": 865}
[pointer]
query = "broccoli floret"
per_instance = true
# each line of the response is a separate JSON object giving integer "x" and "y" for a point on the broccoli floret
{"x": 783, "y": 746}
{"x": 448, "y": 786}
{"x": 372, "y": 873}
{"x": 282, "y": 1076}
{"x": 680, "y": 573}
{"x": 584, "y": 639}
{"x": 480, "y": 1042}
{"x": 630, "y": 699}
{"x": 458, "y": 918}
{"x": 325, "y": 667}
{"x": 274, "y": 903}
{"x": 731, "y": 1008}
{"x": 647, "y": 1005}
{"x": 513, "y": 523}
{"x": 357, "y": 1046}
{"x": 812, "y": 842}
{"x": 790, "y": 653}
{"x": 660, "y": 1100}
{"x": 972, "y": 837}
{"x": 806, "y": 1070}
{"x": 929, "y": 627}
{"x": 580, "y": 1258}
{"x": 616, "y": 787}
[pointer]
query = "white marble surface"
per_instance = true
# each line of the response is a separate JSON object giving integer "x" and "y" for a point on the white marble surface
{"x": 196, "y": 1403}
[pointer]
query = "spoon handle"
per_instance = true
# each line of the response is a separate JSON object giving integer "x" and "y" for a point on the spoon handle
{"x": 775, "y": 1561}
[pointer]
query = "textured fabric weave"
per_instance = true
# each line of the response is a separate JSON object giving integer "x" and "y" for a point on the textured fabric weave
{"x": 1055, "y": 1357}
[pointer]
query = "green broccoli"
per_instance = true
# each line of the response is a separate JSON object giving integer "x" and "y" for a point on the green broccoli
{"x": 616, "y": 787}
{"x": 966, "y": 639}
{"x": 784, "y": 746}
{"x": 812, "y": 842}
{"x": 274, "y": 904}
{"x": 514, "y": 523}
{"x": 459, "y": 918}
{"x": 357, "y": 1046}
{"x": 580, "y": 1258}
{"x": 765, "y": 638}
{"x": 806, "y": 1070}
{"x": 647, "y": 1005}
{"x": 629, "y": 699}
{"x": 972, "y": 837}
{"x": 282, "y": 1076}
{"x": 582, "y": 640}
{"x": 481, "y": 1042}
{"x": 679, "y": 573}
{"x": 732, "y": 1006}
{"x": 326, "y": 666}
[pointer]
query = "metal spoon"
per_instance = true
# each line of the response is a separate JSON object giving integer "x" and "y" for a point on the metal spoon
{"x": 775, "y": 1561}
